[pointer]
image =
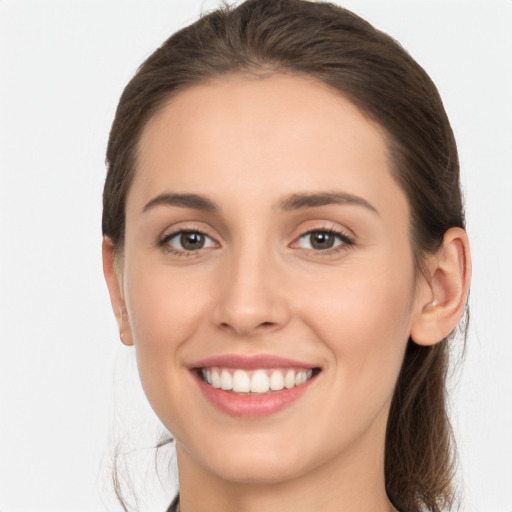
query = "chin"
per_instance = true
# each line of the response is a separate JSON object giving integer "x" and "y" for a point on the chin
{"x": 257, "y": 470}
{"x": 253, "y": 461}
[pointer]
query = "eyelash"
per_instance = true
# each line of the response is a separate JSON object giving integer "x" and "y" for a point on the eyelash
{"x": 163, "y": 243}
{"x": 346, "y": 242}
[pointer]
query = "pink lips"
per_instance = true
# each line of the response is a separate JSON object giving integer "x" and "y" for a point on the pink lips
{"x": 250, "y": 362}
{"x": 250, "y": 405}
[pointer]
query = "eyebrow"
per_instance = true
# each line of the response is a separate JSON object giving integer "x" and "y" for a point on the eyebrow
{"x": 290, "y": 203}
{"x": 194, "y": 201}
{"x": 312, "y": 200}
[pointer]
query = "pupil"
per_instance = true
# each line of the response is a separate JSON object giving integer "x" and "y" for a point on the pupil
{"x": 322, "y": 240}
{"x": 192, "y": 241}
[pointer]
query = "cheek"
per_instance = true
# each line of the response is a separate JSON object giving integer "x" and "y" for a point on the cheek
{"x": 364, "y": 317}
{"x": 163, "y": 305}
{"x": 164, "y": 310}
{"x": 363, "y": 320}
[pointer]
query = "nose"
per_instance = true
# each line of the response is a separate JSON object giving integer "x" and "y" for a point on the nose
{"x": 251, "y": 296}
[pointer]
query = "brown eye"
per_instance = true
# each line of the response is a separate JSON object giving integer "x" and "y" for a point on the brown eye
{"x": 321, "y": 240}
{"x": 187, "y": 241}
{"x": 191, "y": 241}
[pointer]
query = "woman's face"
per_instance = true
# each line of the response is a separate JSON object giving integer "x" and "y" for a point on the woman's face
{"x": 267, "y": 243}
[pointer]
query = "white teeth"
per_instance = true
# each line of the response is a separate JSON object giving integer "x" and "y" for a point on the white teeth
{"x": 260, "y": 383}
{"x": 289, "y": 379}
{"x": 276, "y": 381}
{"x": 241, "y": 382}
{"x": 303, "y": 376}
{"x": 216, "y": 383}
{"x": 300, "y": 378}
{"x": 226, "y": 381}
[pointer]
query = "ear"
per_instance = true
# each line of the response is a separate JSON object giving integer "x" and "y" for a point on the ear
{"x": 443, "y": 293}
{"x": 113, "y": 277}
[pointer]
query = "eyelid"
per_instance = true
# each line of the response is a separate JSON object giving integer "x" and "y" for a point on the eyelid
{"x": 336, "y": 229}
{"x": 346, "y": 236}
{"x": 169, "y": 234}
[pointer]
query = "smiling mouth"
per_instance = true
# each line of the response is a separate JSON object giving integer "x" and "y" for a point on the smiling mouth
{"x": 256, "y": 382}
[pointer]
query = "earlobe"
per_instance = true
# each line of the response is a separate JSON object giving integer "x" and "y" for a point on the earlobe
{"x": 444, "y": 291}
{"x": 113, "y": 279}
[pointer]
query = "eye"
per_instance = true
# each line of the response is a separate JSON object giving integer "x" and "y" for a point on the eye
{"x": 323, "y": 240}
{"x": 187, "y": 241}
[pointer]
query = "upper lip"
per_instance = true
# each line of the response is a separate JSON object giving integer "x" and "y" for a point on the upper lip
{"x": 253, "y": 362}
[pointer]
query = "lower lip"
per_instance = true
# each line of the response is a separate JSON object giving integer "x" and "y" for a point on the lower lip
{"x": 252, "y": 406}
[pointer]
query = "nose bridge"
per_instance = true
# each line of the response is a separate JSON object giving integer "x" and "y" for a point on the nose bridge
{"x": 250, "y": 297}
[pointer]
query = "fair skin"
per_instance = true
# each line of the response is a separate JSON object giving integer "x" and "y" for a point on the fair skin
{"x": 328, "y": 282}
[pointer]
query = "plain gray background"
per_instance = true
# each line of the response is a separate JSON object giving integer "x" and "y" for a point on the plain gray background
{"x": 68, "y": 388}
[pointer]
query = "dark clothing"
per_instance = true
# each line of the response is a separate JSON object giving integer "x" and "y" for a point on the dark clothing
{"x": 174, "y": 505}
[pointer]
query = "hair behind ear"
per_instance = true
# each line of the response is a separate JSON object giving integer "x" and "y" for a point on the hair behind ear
{"x": 419, "y": 433}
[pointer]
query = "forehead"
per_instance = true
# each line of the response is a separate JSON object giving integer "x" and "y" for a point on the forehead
{"x": 278, "y": 134}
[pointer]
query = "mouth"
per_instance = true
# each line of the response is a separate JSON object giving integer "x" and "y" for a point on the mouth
{"x": 253, "y": 386}
{"x": 255, "y": 382}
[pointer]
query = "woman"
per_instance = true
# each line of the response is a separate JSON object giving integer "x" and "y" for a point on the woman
{"x": 285, "y": 247}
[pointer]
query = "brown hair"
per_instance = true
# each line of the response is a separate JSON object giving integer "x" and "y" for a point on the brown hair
{"x": 374, "y": 72}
